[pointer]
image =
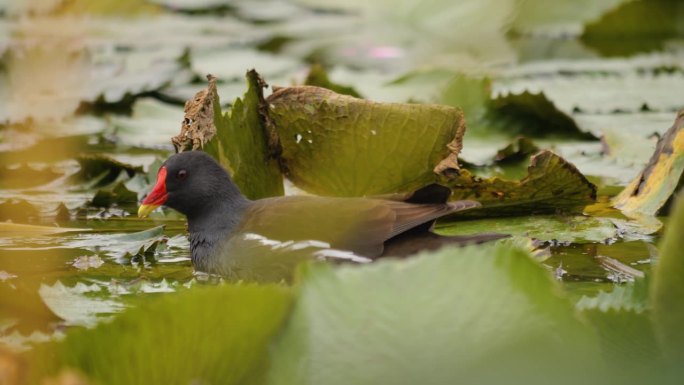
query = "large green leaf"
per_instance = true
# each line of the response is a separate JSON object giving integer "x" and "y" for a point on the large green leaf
{"x": 242, "y": 143}
{"x": 551, "y": 185}
{"x": 215, "y": 335}
{"x": 343, "y": 146}
{"x": 667, "y": 290}
{"x": 469, "y": 315}
{"x": 653, "y": 187}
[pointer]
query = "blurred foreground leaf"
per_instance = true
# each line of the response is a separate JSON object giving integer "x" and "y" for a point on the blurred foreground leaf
{"x": 338, "y": 145}
{"x": 622, "y": 322}
{"x": 216, "y": 335}
{"x": 469, "y": 315}
{"x": 242, "y": 143}
{"x": 654, "y": 186}
{"x": 551, "y": 185}
{"x": 667, "y": 291}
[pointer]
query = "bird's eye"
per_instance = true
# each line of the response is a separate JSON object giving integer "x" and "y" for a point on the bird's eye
{"x": 181, "y": 174}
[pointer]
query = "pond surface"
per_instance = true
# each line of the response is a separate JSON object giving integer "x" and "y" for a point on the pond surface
{"x": 92, "y": 107}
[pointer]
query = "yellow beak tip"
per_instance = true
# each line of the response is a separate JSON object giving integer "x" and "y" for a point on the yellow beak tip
{"x": 145, "y": 210}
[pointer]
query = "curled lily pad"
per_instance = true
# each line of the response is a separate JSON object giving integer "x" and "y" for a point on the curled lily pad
{"x": 653, "y": 187}
{"x": 244, "y": 144}
{"x": 339, "y": 145}
{"x": 551, "y": 185}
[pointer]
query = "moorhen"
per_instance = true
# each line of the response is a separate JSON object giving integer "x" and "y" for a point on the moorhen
{"x": 194, "y": 184}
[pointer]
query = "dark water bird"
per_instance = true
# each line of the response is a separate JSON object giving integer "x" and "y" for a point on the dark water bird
{"x": 194, "y": 184}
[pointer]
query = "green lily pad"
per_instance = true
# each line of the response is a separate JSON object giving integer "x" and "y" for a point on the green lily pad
{"x": 654, "y": 186}
{"x": 339, "y": 145}
{"x": 639, "y": 26}
{"x": 430, "y": 319}
{"x": 667, "y": 290}
{"x": 242, "y": 143}
{"x": 551, "y": 185}
{"x": 224, "y": 329}
{"x": 559, "y": 229}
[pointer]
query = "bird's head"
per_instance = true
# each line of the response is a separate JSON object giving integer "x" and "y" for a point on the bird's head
{"x": 189, "y": 182}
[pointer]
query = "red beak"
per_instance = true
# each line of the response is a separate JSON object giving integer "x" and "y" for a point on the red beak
{"x": 156, "y": 197}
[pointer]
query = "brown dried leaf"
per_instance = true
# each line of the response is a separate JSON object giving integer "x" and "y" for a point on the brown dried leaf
{"x": 198, "y": 127}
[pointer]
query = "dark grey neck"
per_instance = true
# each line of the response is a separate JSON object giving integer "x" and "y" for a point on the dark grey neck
{"x": 209, "y": 228}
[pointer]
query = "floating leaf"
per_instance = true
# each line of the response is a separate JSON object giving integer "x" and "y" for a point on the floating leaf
{"x": 430, "y": 319}
{"x": 667, "y": 290}
{"x": 244, "y": 144}
{"x": 558, "y": 229}
{"x": 343, "y": 146}
{"x": 551, "y": 185}
{"x": 224, "y": 329}
{"x": 662, "y": 177}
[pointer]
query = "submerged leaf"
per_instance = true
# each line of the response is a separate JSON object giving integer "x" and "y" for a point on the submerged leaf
{"x": 654, "y": 186}
{"x": 244, "y": 143}
{"x": 338, "y": 145}
{"x": 551, "y": 185}
{"x": 430, "y": 320}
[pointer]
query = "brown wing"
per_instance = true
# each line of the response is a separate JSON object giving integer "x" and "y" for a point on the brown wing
{"x": 355, "y": 224}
